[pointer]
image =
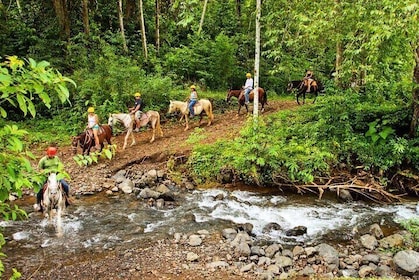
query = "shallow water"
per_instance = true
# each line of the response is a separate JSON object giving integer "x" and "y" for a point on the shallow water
{"x": 98, "y": 223}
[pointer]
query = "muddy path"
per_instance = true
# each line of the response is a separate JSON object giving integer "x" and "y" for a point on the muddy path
{"x": 147, "y": 155}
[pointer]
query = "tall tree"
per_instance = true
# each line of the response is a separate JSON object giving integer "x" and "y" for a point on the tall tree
{"x": 157, "y": 26}
{"x": 85, "y": 14}
{"x": 142, "y": 24}
{"x": 201, "y": 22}
{"x": 414, "y": 126}
{"x": 121, "y": 25}
{"x": 61, "y": 11}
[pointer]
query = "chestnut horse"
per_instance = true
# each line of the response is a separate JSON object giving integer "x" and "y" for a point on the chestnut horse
{"x": 86, "y": 139}
{"x": 239, "y": 94}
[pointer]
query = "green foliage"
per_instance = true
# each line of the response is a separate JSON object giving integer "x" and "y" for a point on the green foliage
{"x": 107, "y": 152}
{"x": 412, "y": 225}
{"x": 21, "y": 83}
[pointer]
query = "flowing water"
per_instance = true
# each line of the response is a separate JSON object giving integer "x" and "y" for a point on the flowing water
{"x": 98, "y": 223}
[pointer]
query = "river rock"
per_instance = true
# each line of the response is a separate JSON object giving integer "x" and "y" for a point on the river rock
{"x": 270, "y": 227}
{"x": 328, "y": 253}
{"x": 191, "y": 257}
{"x": 407, "y": 262}
{"x": 148, "y": 193}
{"x": 299, "y": 230}
{"x": 368, "y": 241}
{"x": 395, "y": 240}
{"x": 370, "y": 258}
{"x": 272, "y": 249}
{"x": 365, "y": 271}
{"x": 375, "y": 230}
{"x": 194, "y": 240}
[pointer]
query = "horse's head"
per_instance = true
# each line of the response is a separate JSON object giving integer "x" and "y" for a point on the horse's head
{"x": 172, "y": 107}
{"x": 111, "y": 120}
{"x": 52, "y": 183}
{"x": 74, "y": 143}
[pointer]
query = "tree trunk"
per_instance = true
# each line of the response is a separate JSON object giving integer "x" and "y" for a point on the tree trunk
{"x": 414, "y": 124}
{"x": 144, "y": 39}
{"x": 60, "y": 7}
{"x": 257, "y": 58}
{"x": 121, "y": 26}
{"x": 85, "y": 9}
{"x": 339, "y": 50}
{"x": 201, "y": 23}
{"x": 157, "y": 26}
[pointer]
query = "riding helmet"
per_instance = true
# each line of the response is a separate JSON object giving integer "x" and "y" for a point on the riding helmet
{"x": 193, "y": 87}
{"x": 51, "y": 151}
{"x": 137, "y": 94}
{"x": 248, "y": 75}
{"x": 91, "y": 110}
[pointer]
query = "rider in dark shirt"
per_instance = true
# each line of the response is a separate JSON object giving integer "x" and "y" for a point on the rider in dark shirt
{"x": 136, "y": 111}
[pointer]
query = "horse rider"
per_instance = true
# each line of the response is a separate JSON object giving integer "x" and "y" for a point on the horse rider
{"x": 136, "y": 111}
{"x": 93, "y": 123}
{"x": 308, "y": 80}
{"x": 52, "y": 163}
{"x": 248, "y": 86}
{"x": 193, "y": 98}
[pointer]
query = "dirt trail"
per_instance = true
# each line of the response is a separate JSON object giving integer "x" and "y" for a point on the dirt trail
{"x": 155, "y": 155}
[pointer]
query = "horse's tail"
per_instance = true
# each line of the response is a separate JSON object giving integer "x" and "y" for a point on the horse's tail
{"x": 265, "y": 96}
{"x": 210, "y": 115}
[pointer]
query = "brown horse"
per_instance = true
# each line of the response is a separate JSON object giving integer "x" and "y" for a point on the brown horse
{"x": 86, "y": 139}
{"x": 239, "y": 94}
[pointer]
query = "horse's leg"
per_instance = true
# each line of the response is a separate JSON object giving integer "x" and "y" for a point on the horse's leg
{"x": 133, "y": 142}
{"x": 159, "y": 126}
{"x": 59, "y": 226}
{"x": 187, "y": 122}
{"x": 153, "y": 126}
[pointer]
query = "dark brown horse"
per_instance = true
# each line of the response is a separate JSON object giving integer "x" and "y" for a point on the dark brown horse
{"x": 239, "y": 94}
{"x": 301, "y": 88}
{"x": 86, "y": 139}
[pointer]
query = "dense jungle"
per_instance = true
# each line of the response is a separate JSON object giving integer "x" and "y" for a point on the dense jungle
{"x": 358, "y": 140}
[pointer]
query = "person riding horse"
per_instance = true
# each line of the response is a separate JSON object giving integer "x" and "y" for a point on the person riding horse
{"x": 193, "y": 98}
{"x": 248, "y": 87}
{"x": 308, "y": 80}
{"x": 93, "y": 123}
{"x": 51, "y": 162}
{"x": 135, "y": 110}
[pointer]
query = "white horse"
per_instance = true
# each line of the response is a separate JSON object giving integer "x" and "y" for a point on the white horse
{"x": 53, "y": 199}
{"x": 128, "y": 120}
{"x": 203, "y": 105}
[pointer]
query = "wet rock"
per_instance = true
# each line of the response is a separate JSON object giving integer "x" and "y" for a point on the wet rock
{"x": 299, "y": 230}
{"x": 247, "y": 227}
{"x": 271, "y": 227}
{"x": 148, "y": 193}
{"x": 126, "y": 186}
